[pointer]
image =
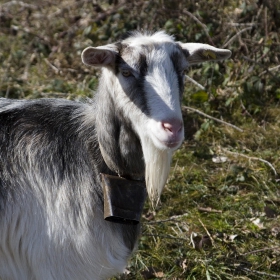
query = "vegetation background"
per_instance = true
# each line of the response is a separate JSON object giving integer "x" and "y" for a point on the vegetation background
{"x": 219, "y": 215}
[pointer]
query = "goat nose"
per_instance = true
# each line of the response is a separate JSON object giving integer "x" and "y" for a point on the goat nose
{"x": 174, "y": 126}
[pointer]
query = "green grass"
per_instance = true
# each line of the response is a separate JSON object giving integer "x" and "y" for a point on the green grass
{"x": 215, "y": 220}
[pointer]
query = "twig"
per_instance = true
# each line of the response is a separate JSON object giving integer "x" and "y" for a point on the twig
{"x": 265, "y": 23}
{"x": 242, "y": 44}
{"x": 272, "y": 200}
{"x": 252, "y": 158}
{"x": 200, "y": 23}
{"x": 195, "y": 82}
{"x": 269, "y": 69}
{"x": 208, "y": 233}
{"x": 241, "y": 24}
{"x": 69, "y": 70}
{"x": 208, "y": 210}
{"x": 212, "y": 118}
{"x": 261, "y": 250}
{"x": 56, "y": 70}
{"x": 236, "y": 35}
{"x": 260, "y": 272}
{"x": 168, "y": 220}
{"x": 244, "y": 108}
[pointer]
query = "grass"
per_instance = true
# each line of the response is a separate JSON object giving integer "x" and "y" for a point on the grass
{"x": 218, "y": 219}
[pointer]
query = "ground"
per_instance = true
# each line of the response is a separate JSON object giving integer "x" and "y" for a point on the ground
{"x": 219, "y": 214}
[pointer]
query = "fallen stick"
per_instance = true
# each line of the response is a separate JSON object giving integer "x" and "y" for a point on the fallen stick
{"x": 252, "y": 158}
{"x": 208, "y": 210}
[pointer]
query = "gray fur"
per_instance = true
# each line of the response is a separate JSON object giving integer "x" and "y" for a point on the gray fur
{"x": 48, "y": 164}
{"x": 52, "y": 152}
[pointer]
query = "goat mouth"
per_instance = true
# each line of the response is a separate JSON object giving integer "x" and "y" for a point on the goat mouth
{"x": 169, "y": 144}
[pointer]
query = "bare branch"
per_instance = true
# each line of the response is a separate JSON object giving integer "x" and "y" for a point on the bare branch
{"x": 261, "y": 250}
{"x": 241, "y": 24}
{"x": 269, "y": 70}
{"x": 195, "y": 82}
{"x": 212, "y": 118}
{"x": 200, "y": 23}
{"x": 54, "y": 68}
{"x": 260, "y": 273}
{"x": 236, "y": 36}
{"x": 208, "y": 210}
{"x": 208, "y": 233}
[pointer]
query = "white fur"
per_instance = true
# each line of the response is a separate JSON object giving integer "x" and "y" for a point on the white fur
{"x": 53, "y": 239}
{"x": 138, "y": 39}
{"x": 157, "y": 168}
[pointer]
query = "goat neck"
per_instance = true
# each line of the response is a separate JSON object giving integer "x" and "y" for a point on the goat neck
{"x": 119, "y": 145}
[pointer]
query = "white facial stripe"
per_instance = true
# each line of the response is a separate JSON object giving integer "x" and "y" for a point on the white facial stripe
{"x": 161, "y": 84}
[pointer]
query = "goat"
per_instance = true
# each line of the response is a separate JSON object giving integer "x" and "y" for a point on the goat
{"x": 53, "y": 151}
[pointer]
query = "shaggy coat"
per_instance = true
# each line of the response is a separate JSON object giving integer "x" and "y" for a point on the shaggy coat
{"x": 52, "y": 152}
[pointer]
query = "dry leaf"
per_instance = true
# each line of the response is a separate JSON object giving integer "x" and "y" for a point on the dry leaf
{"x": 257, "y": 222}
{"x": 184, "y": 265}
{"x": 126, "y": 272}
{"x": 232, "y": 237}
{"x": 159, "y": 274}
{"x": 219, "y": 159}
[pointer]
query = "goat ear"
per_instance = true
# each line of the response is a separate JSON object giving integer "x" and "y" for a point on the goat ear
{"x": 98, "y": 57}
{"x": 197, "y": 53}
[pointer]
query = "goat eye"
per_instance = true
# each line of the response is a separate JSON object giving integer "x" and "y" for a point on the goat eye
{"x": 126, "y": 73}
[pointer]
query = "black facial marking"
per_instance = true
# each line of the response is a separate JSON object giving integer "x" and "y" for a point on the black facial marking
{"x": 136, "y": 91}
{"x": 119, "y": 60}
{"x": 142, "y": 62}
{"x": 142, "y": 65}
{"x": 185, "y": 52}
{"x": 176, "y": 59}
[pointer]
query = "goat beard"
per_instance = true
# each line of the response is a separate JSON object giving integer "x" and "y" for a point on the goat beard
{"x": 157, "y": 169}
